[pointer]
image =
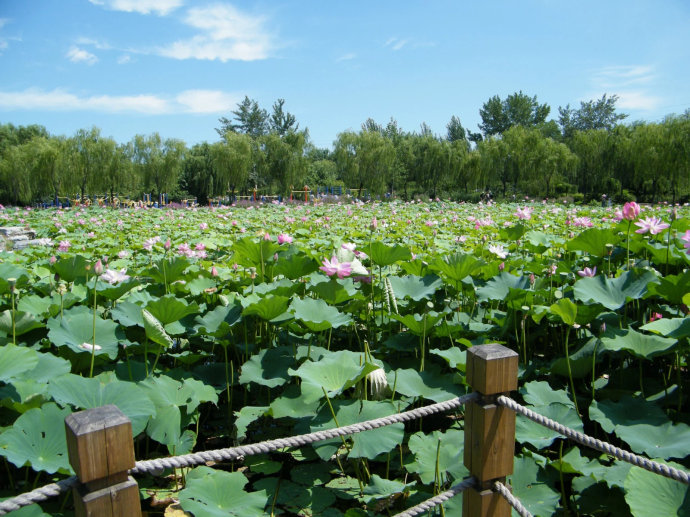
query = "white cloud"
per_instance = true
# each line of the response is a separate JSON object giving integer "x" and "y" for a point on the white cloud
{"x": 638, "y": 100}
{"x": 190, "y": 101}
{"x": 207, "y": 101}
{"x": 346, "y": 57}
{"x": 3, "y": 22}
{"x": 632, "y": 84}
{"x": 395, "y": 43}
{"x": 619, "y": 76}
{"x": 225, "y": 34}
{"x": 78, "y": 55}
{"x": 160, "y": 7}
{"x": 122, "y": 60}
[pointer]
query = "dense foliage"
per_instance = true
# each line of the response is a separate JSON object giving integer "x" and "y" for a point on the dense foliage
{"x": 211, "y": 327}
{"x": 583, "y": 155}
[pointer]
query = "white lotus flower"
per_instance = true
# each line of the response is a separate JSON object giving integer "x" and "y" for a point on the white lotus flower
{"x": 377, "y": 382}
{"x": 113, "y": 277}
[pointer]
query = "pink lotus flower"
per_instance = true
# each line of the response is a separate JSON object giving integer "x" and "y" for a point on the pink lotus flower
{"x": 588, "y": 272}
{"x": 333, "y": 267}
{"x": 200, "y": 246}
{"x": 122, "y": 254}
{"x": 655, "y": 316}
{"x": 524, "y": 213}
{"x": 64, "y": 246}
{"x": 53, "y": 259}
{"x": 350, "y": 246}
{"x": 203, "y": 226}
{"x": 631, "y": 210}
{"x": 583, "y": 222}
{"x": 652, "y": 225}
{"x": 267, "y": 236}
{"x": 284, "y": 238}
{"x": 113, "y": 277}
{"x": 98, "y": 267}
{"x": 167, "y": 245}
{"x": 214, "y": 271}
{"x": 497, "y": 249}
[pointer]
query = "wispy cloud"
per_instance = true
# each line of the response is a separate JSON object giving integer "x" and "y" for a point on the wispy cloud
{"x": 189, "y": 101}
{"x": 160, "y": 7}
{"x": 346, "y": 57}
{"x": 395, "y": 43}
{"x": 225, "y": 33}
{"x": 78, "y": 55}
{"x": 3, "y": 22}
{"x": 124, "y": 59}
{"x": 632, "y": 84}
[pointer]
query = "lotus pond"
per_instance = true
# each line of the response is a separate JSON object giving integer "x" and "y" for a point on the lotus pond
{"x": 215, "y": 327}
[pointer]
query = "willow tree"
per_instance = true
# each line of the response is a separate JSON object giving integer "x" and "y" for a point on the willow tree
{"x": 158, "y": 162}
{"x": 365, "y": 159}
{"x": 231, "y": 159}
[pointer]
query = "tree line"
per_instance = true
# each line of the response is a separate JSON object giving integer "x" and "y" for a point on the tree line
{"x": 585, "y": 153}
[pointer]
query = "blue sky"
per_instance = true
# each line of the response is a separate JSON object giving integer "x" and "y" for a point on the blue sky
{"x": 175, "y": 66}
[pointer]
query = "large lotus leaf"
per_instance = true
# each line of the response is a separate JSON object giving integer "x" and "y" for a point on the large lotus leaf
{"x": 282, "y": 287}
{"x": 169, "y": 309}
{"x": 246, "y": 416}
{"x": 539, "y": 240}
{"x": 594, "y": 241}
{"x": 335, "y": 291}
{"x": 380, "y": 488}
{"x": 250, "y": 253}
{"x": 128, "y": 314}
{"x": 33, "y": 510}
{"x": 84, "y": 393}
{"x": 38, "y": 305}
{"x": 269, "y": 367}
{"x": 415, "y": 287}
{"x": 580, "y": 360}
{"x": 219, "y": 321}
{"x": 199, "y": 285}
{"x": 215, "y": 493}
{"x": 532, "y": 486}
{"x": 297, "y": 499}
{"x": 75, "y": 330}
{"x": 572, "y": 462}
{"x": 430, "y": 384}
{"x": 540, "y": 393}
{"x": 512, "y": 233}
{"x": 457, "y": 266}
{"x": 15, "y": 360}
{"x": 169, "y": 395}
{"x": 419, "y": 323}
{"x": 334, "y": 373}
{"x": 672, "y": 288}
{"x": 113, "y": 292}
{"x": 627, "y": 411}
{"x": 677, "y": 328}
{"x": 295, "y": 265}
{"x": 565, "y": 310}
{"x": 613, "y": 475}
{"x": 527, "y": 431}
{"x": 612, "y": 293}
{"x": 648, "y": 494}
{"x": 384, "y": 255}
{"x": 169, "y": 270}
{"x": 657, "y": 441}
{"x": 155, "y": 331}
{"x": 23, "y": 323}
{"x": 498, "y": 287}
{"x": 317, "y": 315}
{"x": 291, "y": 404}
{"x": 437, "y": 448}
{"x": 268, "y": 308}
{"x": 641, "y": 345}
{"x": 367, "y": 444}
{"x": 456, "y": 357}
{"x": 38, "y": 438}
{"x": 9, "y": 270}
{"x": 71, "y": 268}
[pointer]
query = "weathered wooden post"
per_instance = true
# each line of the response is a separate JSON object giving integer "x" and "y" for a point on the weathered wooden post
{"x": 101, "y": 451}
{"x": 489, "y": 429}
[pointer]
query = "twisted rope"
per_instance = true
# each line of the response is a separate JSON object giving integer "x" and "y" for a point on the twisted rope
{"x": 438, "y": 499}
{"x": 233, "y": 453}
{"x": 512, "y": 500}
{"x": 634, "y": 459}
{"x": 36, "y": 496}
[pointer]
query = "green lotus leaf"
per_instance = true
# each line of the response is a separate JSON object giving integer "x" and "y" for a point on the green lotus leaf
{"x": 419, "y": 323}
{"x": 657, "y": 441}
{"x": 199, "y": 285}
{"x": 219, "y": 321}
{"x": 438, "y": 448}
{"x": 512, "y": 233}
{"x": 33, "y": 510}
{"x": 71, "y": 268}
{"x": 384, "y": 255}
{"x": 311, "y": 474}
{"x": 75, "y": 330}
{"x": 533, "y": 487}
{"x": 317, "y": 315}
{"x": 128, "y": 314}
{"x": 282, "y": 287}
{"x": 380, "y": 488}
{"x": 39, "y": 305}
{"x": 672, "y": 288}
{"x": 169, "y": 270}
{"x": 540, "y": 393}
{"x": 23, "y": 322}
{"x": 648, "y": 494}
{"x": 530, "y": 432}
{"x": 295, "y": 265}
{"x": 37, "y": 438}
{"x": 291, "y": 404}
{"x": 115, "y": 291}
{"x": 15, "y": 360}
{"x": 415, "y": 287}
{"x": 169, "y": 309}
{"x": 645, "y": 346}
{"x": 335, "y": 291}
{"x": 677, "y": 328}
{"x": 298, "y": 499}
{"x": 154, "y": 330}
{"x": 571, "y": 462}
{"x": 627, "y": 411}
{"x": 565, "y": 310}
{"x": 254, "y": 254}
{"x": 104, "y": 389}
{"x": 456, "y": 356}
{"x": 595, "y": 241}
{"x": 498, "y": 287}
{"x": 580, "y": 360}
{"x": 457, "y": 266}
{"x": 270, "y": 308}
{"x": 246, "y": 416}
{"x": 269, "y": 367}
{"x": 9, "y": 270}
{"x": 430, "y": 384}
{"x": 612, "y": 293}
{"x": 335, "y": 374}
{"x": 215, "y": 493}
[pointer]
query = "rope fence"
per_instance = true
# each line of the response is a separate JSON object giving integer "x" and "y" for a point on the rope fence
{"x": 488, "y": 453}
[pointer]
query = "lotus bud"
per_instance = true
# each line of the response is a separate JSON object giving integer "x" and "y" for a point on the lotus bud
{"x": 378, "y": 382}
{"x": 167, "y": 245}
{"x": 98, "y": 267}
{"x": 214, "y": 271}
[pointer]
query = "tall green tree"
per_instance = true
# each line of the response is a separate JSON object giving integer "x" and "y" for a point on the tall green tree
{"x": 518, "y": 109}
{"x": 282, "y": 122}
{"x": 231, "y": 160}
{"x": 248, "y": 118}
{"x": 365, "y": 160}
{"x": 592, "y": 114}
{"x": 159, "y": 162}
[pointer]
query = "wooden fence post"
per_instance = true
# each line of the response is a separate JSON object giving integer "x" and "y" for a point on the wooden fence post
{"x": 101, "y": 451}
{"x": 489, "y": 429}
